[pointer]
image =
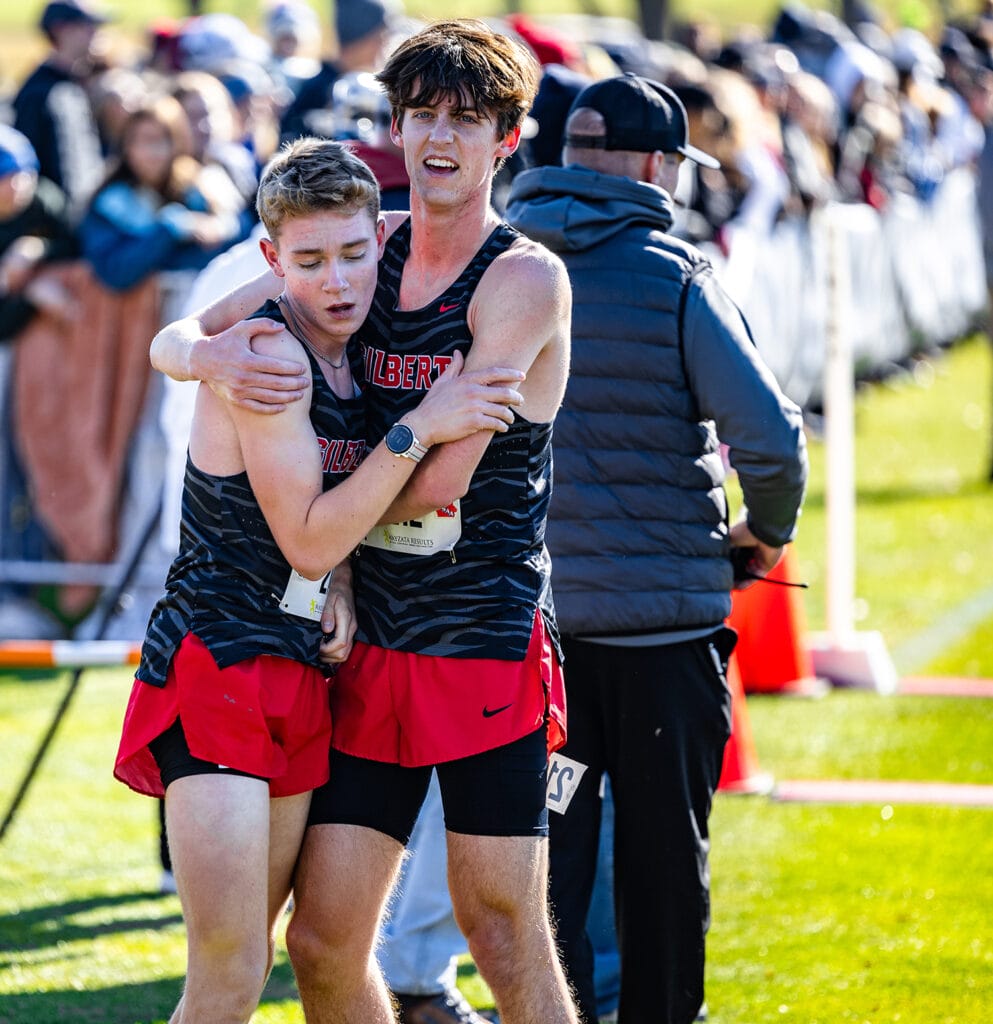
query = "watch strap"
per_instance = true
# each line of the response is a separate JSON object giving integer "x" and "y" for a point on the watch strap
{"x": 415, "y": 452}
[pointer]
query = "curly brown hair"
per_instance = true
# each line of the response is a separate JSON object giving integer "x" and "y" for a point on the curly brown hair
{"x": 489, "y": 72}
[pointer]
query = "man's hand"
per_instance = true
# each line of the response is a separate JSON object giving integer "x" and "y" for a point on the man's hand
{"x": 761, "y": 559}
{"x": 462, "y": 402}
{"x": 338, "y": 621}
{"x": 46, "y": 293}
{"x": 236, "y": 374}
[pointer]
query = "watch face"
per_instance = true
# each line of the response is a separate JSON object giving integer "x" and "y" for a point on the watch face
{"x": 399, "y": 438}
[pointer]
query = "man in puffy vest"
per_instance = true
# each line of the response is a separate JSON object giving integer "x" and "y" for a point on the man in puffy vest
{"x": 663, "y": 370}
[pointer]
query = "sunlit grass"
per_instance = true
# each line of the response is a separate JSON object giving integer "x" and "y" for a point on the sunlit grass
{"x": 923, "y": 537}
{"x": 835, "y": 913}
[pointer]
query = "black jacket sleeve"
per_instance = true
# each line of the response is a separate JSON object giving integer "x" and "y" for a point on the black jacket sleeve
{"x": 762, "y": 428}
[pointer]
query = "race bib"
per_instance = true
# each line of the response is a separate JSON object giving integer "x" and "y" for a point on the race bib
{"x": 564, "y": 776}
{"x": 305, "y": 598}
{"x": 438, "y": 531}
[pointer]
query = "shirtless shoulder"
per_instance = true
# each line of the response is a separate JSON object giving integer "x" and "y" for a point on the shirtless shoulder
{"x": 528, "y": 258}
{"x": 394, "y": 218}
{"x": 281, "y": 344}
{"x": 521, "y": 315}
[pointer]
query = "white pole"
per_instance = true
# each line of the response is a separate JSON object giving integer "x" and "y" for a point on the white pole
{"x": 842, "y": 655}
{"x": 839, "y": 436}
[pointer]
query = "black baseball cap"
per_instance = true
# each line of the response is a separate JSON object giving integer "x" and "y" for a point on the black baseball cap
{"x": 61, "y": 12}
{"x": 640, "y": 115}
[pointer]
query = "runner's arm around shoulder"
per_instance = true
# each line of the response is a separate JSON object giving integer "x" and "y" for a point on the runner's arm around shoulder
{"x": 316, "y": 529}
{"x": 762, "y": 428}
{"x": 520, "y": 316}
{"x": 214, "y": 345}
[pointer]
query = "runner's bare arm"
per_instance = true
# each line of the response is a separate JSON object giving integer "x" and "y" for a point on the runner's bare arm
{"x": 214, "y": 345}
{"x": 317, "y": 529}
{"x": 520, "y": 316}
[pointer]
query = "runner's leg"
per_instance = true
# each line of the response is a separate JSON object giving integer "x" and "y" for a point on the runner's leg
{"x": 343, "y": 880}
{"x": 499, "y": 886}
{"x": 219, "y": 838}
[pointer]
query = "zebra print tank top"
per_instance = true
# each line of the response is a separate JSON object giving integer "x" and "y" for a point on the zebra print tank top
{"x": 228, "y": 579}
{"x": 477, "y": 597}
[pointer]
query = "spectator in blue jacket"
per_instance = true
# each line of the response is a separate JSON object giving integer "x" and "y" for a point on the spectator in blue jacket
{"x": 156, "y": 210}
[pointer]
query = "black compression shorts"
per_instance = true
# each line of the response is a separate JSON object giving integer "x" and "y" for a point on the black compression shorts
{"x": 500, "y": 792}
{"x": 172, "y": 755}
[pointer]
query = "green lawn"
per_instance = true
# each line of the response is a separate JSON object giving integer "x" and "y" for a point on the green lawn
{"x": 835, "y": 913}
{"x": 853, "y": 913}
{"x": 923, "y": 537}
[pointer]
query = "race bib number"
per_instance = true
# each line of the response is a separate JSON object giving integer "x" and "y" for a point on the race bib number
{"x": 438, "y": 531}
{"x": 564, "y": 776}
{"x": 305, "y": 598}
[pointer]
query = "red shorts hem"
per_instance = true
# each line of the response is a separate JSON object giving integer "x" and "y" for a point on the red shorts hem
{"x": 267, "y": 716}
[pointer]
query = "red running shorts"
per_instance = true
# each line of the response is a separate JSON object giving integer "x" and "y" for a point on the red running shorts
{"x": 267, "y": 716}
{"x": 420, "y": 709}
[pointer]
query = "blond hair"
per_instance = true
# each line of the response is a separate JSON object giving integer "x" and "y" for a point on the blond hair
{"x": 312, "y": 175}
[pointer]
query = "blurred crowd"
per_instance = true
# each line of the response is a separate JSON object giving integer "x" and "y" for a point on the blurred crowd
{"x": 152, "y": 164}
{"x": 134, "y": 167}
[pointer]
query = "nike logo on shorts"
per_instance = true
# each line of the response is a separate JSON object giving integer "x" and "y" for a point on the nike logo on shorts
{"x": 443, "y": 308}
{"x": 496, "y": 711}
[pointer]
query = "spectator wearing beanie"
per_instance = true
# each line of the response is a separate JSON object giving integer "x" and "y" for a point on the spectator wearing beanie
{"x": 52, "y": 108}
{"x": 294, "y": 33}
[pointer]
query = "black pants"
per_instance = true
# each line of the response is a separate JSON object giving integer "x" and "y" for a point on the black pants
{"x": 165, "y": 858}
{"x": 657, "y": 720}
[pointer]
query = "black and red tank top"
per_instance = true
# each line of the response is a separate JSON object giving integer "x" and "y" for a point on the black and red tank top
{"x": 474, "y": 594}
{"x": 229, "y": 580}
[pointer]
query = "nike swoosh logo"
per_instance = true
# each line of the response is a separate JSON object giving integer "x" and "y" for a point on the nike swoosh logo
{"x": 496, "y": 711}
{"x": 445, "y": 309}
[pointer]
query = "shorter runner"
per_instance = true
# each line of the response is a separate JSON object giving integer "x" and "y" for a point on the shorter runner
{"x": 229, "y": 715}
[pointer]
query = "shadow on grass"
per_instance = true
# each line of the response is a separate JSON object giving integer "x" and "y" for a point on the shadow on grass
{"x": 146, "y": 1003}
{"x": 33, "y": 675}
{"x": 149, "y": 1002}
{"x": 897, "y": 494}
{"x": 53, "y": 923}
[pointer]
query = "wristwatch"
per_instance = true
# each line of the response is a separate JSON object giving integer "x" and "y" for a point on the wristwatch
{"x": 402, "y": 443}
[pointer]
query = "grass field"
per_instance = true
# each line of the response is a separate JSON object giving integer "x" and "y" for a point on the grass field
{"x": 923, "y": 454}
{"x": 822, "y": 913}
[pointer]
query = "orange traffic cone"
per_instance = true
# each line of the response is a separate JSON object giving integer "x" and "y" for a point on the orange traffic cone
{"x": 771, "y": 624}
{"x": 740, "y": 771}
